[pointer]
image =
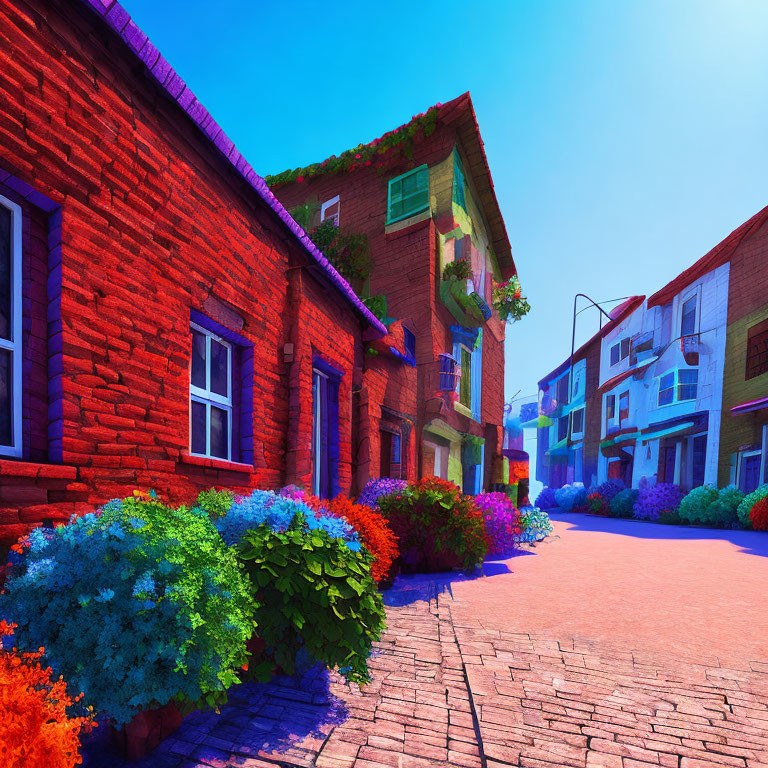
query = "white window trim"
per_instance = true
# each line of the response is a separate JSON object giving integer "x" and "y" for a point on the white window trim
{"x": 317, "y": 432}
{"x": 208, "y": 398}
{"x": 578, "y": 435}
{"x": 676, "y": 387}
{"x": 326, "y": 205}
{"x": 694, "y": 293}
{"x": 14, "y": 344}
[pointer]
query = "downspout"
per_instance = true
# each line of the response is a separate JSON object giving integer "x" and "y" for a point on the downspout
{"x": 294, "y": 301}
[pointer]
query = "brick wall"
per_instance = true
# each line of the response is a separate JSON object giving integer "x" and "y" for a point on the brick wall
{"x": 155, "y": 224}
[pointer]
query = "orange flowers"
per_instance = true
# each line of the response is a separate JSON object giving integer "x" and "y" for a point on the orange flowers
{"x": 35, "y": 728}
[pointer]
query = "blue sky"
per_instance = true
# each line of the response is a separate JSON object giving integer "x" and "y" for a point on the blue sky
{"x": 625, "y": 138}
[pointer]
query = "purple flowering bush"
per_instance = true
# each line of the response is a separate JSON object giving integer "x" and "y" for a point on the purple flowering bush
{"x": 546, "y": 499}
{"x": 610, "y": 488}
{"x": 502, "y": 522}
{"x": 379, "y": 487}
{"x": 663, "y": 499}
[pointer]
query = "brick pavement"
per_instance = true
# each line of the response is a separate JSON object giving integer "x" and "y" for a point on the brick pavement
{"x": 456, "y": 685}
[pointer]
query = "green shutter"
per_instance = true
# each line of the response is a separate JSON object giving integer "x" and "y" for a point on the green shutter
{"x": 458, "y": 181}
{"x": 408, "y": 194}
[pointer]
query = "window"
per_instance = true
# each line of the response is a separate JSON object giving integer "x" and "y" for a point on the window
{"x": 447, "y": 373}
{"x": 465, "y": 385}
{"x": 667, "y": 388}
{"x": 458, "y": 181}
{"x": 562, "y": 390}
{"x": 10, "y": 328}
{"x": 562, "y": 428}
{"x": 408, "y": 194}
{"x": 757, "y": 350}
{"x": 390, "y": 458}
{"x": 610, "y": 407}
{"x": 325, "y": 430}
{"x": 641, "y": 347}
{"x": 667, "y": 463}
{"x": 409, "y": 342}
{"x": 210, "y": 393}
{"x": 749, "y": 471}
{"x": 687, "y": 381}
{"x": 623, "y": 407}
{"x": 620, "y": 351}
{"x": 577, "y": 427}
{"x": 688, "y": 317}
{"x": 330, "y": 209}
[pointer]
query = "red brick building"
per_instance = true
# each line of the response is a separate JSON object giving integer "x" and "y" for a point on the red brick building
{"x": 424, "y": 198}
{"x": 164, "y": 323}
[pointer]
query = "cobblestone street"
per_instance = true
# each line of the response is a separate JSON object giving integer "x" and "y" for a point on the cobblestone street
{"x": 467, "y": 676}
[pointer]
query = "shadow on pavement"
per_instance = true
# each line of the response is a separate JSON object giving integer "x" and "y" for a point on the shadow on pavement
{"x": 748, "y": 542}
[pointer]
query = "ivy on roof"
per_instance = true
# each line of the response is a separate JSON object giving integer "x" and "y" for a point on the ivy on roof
{"x": 365, "y": 154}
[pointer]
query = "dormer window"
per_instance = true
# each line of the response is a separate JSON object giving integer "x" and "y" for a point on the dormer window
{"x": 330, "y": 209}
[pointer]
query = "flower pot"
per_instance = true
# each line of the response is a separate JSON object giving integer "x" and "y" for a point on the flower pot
{"x": 146, "y": 730}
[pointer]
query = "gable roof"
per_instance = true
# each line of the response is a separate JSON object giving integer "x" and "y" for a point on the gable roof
{"x": 718, "y": 256}
{"x": 119, "y": 20}
{"x": 459, "y": 113}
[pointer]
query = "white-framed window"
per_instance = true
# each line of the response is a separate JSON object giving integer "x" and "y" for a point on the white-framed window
{"x": 620, "y": 351}
{"x": 678, "y": 386}
{"x": 610, "y": 410}
{"x": 210, "y": 395}
{"x": 331, "y": 209}
{"x": 577, "y": 424}
{"x": 689, "y": 315}
{"x": 10, "y": 328}
{"x": 667, "y": 388}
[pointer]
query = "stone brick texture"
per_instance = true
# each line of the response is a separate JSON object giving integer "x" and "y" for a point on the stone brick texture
{"x": 747, "y": 306}
{"x": 405, "y": 269}
{"x": 154, "y": 224}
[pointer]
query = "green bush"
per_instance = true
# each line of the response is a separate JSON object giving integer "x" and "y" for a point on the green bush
{"x": 622, "y": 504}
{"x": 315, "y": 594}
{"x": 438, "y": 527}
{"x": 215, "y": 503}
{"x": 706, "y": 505}
{"x": 749, "y": 501}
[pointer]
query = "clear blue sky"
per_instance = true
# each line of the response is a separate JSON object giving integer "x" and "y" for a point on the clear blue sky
{"x": 625, "y": 138}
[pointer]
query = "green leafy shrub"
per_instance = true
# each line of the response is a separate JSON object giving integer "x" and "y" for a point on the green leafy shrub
{"x": 438, "y": 527}
{"x": 622, "y": 504}
{"x": 215, "y": 502}
{"x": 349, "y": 254}
{"x": 749, "y": 501}
{"x": 135, "y": 607}
{"x": 315, "y": 594}
{"x": 706, "y": 505}
{"x": 461, "y": 269}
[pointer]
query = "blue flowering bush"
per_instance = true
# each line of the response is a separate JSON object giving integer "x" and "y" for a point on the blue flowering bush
{"x": 535, "y": 525}
{"x": 312, "y": 580}
{"x": 379, "y": 487}
{"x": 660, "y": 500}
{"x": 622, "y": 504}
{"x": 570, "y": 497}
{"x": 136, "y": 606}
{"x": 546, "y": 499}
{"x": 749, "y": 501}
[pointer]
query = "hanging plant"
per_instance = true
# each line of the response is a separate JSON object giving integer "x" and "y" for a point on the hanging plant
{"x": 508, "y": 300}
{"x": 363, "y": 155}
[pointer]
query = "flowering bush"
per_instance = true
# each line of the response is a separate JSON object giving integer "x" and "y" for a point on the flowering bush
{"x": 610, "y": 488}
{"x": 35, "y": 728}
{"x": 134, "y": 607}
{"x": 661, "y": 498}
{"x": 758, "y": 516}
{"x": 596, "y": 504}
{"x": 375, "y": 533}
{"x": 508, "y": 300}
{"x": 378, "y": 487}
{"x": 622, "y": 504}
{"x": 535, "y": 525}
{"x": 570, "y": 497}
{"x": 502, "y": 522}
{"x": 546, "y": 499}
{"x": 706, "y": 505}
{"x": 315, "y": 591}
{"x": 745, "y": 505}
{"x": 438, "y": 526}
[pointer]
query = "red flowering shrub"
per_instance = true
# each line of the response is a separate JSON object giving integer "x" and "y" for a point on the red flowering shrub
{"x": 375, "y": 533}
{"x": 35, "y": 729}
{"x": 439, "y": 528}
{"x": 596, "y": 504}
{"x": 759, "y": 515}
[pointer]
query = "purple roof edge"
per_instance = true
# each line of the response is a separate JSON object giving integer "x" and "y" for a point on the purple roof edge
{"x": 116, "y": 17}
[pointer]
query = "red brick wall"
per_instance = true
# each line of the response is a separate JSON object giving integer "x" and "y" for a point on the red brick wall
{"x": 748, "y": 280}
{"x": 155, "y": 223}
{"x": 404, "y": 266}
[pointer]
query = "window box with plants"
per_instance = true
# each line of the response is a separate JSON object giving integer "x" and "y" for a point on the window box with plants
{"x": 468, "y": 308}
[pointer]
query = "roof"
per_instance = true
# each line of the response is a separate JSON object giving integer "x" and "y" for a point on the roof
{"x": 617, "y": 314}
{"x": 718, "y": 256}
{"x": 118, "y": 19}
{"x": 459, "y": 113}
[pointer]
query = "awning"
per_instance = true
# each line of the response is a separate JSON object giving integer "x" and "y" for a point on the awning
{"x": 622, "y": 437}
{"x": 559, "y": 449}
{"x": 537, "y": 423}
{"x": 616, "y": 380}
{"x": 668, "y": 431}
{"x": 751, "y": 405}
